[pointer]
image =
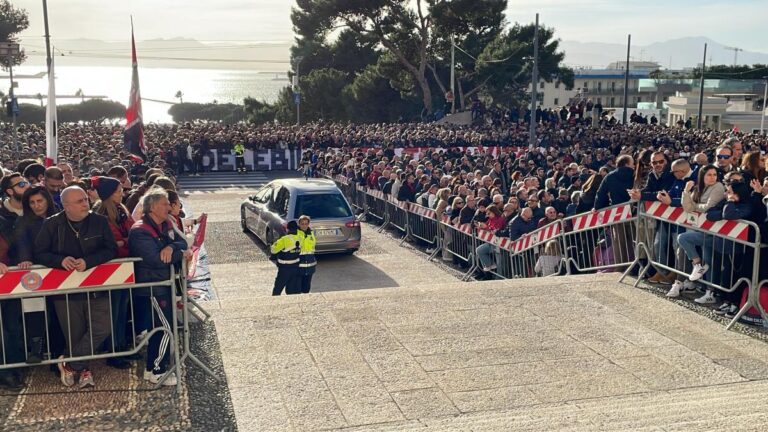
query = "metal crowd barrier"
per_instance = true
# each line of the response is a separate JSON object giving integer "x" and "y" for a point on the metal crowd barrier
{"x": 604, "y": 240}
{"x": 397, "y": 215}
{"x": 725, "y": 245}
{"x": 81, "y": 305}
{"x": 600, "y": 240}
{"x": 460, "y": 243}
{"x": 423, "y": 225}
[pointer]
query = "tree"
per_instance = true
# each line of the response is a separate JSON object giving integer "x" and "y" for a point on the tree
{"x": 12, "y": 22}
{"x": 91, "y": 110}
{"x": 402, "y": 27}
{"x": 180, "y": 96}
{"x": 471, "y": 25}
{"x": 506, "y": 64}
{"x": 187, "y": 112}
{"x": 81, "y": 94}
{"x": 258, "y": 112}
{"x": 321, "y": 95}
{"x": 370, "y": 98}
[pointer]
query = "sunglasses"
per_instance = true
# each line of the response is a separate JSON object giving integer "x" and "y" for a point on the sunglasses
{"x": 21, "y": 183}
{"x": 723, "y": 156}
{"x": 659, "y": 162}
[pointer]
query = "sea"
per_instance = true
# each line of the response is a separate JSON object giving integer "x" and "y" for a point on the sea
{"x": 158, "y": 86}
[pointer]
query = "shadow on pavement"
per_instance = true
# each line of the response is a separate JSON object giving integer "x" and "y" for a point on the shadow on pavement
{"x": 345, "y": 273}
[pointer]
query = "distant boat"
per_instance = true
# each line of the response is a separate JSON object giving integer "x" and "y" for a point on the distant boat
{"x": 279, "y": 78}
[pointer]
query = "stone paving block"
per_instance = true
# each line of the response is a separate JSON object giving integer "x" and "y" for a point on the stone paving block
{"x": 419, "y": 318}
{"x": 364, "y": 401}
{"x": 606, "y": 343}
{"x": 749, "y": 368}
{"x": 371, "y": 336}
{"x": 498, "y": 356}
{"x": 577, "y": 387}
{"x": 260, "y": 408}
{"x": 398, "y": 370}
{"x": 487, "y": 377}
{"x": 459, "y": 344}
{"x": 424, "y": 402}
{"x": 698, "y": 366}
{"x": 656, "y": 373}
{"x": 502, "y": 398}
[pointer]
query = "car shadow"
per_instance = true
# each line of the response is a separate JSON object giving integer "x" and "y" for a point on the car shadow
{"x": 337, "y": 272}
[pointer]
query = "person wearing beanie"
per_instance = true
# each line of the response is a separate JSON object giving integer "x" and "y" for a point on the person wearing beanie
{"x": 105, "y": 186}
{"x": 286, "y": 251}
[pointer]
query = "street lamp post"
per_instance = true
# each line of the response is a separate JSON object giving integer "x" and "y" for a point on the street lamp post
{"x": 9, "y": 50}
{"x": 765, "y": 105}
{"x": 297, "y": 91}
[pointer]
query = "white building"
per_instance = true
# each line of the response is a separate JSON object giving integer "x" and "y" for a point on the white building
{"x": 720, "y": 112}
{"x": 605, "y": 86}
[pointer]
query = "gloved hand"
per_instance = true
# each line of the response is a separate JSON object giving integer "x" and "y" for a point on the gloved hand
{"x": 298, "y": 245}
{"x": 308, "y": 231}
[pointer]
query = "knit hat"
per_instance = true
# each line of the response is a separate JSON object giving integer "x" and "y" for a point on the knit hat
{"x": 105, "y": 186}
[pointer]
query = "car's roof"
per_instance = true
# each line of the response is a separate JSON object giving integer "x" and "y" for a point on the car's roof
{"x": 308, "y": 185}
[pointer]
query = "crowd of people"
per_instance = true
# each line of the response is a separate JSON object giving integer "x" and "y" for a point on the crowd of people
{"x": 98, "y": 204}
{"x": 512, "y": 193}
{"x": 54, "y": 218}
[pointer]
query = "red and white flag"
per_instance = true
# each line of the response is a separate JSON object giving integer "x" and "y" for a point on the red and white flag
{"x": 133, "y": 137}
{"x": 51, "y": 136}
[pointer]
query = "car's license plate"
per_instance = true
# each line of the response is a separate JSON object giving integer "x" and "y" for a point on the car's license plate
{"x": 327, "y": 232}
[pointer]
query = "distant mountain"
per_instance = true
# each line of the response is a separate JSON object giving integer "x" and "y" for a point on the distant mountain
{"x": 676, "y": 53}
{"x": 188, "y": 53}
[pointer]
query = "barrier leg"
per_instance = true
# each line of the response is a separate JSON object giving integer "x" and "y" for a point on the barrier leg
{"x": 741, "y": 313}
{"x": 185, "y": 319}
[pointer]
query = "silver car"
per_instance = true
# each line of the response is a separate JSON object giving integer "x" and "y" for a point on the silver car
{"x": 267, "y": 212}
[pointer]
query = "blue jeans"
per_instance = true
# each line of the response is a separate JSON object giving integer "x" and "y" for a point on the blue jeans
{"x": 690, "y": 240}
{"x": 485, "y": 253}
{"x": 664, "y": 234}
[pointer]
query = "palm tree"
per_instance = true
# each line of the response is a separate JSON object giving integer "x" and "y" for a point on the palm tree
{"x": 80, "y": 93}
{"x": 180, "y": 96}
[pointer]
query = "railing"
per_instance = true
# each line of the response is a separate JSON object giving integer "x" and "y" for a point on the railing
{"x": 612, "y": 239}
{"x": 85, "y": 303}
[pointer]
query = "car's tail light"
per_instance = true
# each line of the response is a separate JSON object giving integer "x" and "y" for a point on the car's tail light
{"x": 352, "y": 224}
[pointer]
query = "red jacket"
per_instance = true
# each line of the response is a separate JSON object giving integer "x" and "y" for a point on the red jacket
{"x": 121, "y": 231}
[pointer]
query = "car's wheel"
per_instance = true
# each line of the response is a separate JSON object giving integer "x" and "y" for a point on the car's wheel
{"x": 349, "y": 252}
{"x": 268, "y": 240}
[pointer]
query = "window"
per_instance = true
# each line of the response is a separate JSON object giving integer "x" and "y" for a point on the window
{"x": 586, "y": 84}
{"x": 639, "y": 99}
{"x": 613, "y": 101}
{"x": 557, "y": 85}
{"x": 556, "y": 101}
{"x": 279, "y": 204}
{"x": 613, "y": 85}
{"x": 322, "y": 206}
{"x": 264, "y": 194}
{"x": 600, "y": 101}
{"x": 541, "y": 85}
{"x": 599, "y": 85}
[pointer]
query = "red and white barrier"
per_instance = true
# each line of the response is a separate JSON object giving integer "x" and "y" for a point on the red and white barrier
{"x": 423, "y": 211}
{"x": 732, "y": 229}
{"x": 535, "y": 238}
{"x": 602, "y": 217}
{"x": 47, "y": 279}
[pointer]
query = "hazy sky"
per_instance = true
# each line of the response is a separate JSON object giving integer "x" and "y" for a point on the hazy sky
{"x": 738, "y": 23}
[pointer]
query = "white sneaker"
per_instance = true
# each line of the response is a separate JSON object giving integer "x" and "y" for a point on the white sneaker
{"x": 674, "y": 292}
{"x": 688, "y": 286}
{"x": 707, "y": 298}
{"x": 155, "y": 378}
{"x": 698, "y": 272}
{"x": 489, "y": 268}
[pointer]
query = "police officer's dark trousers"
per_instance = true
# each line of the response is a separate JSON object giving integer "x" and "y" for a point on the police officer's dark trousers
{"x": 287, "y": 278}
{"x": 240, "y": 163}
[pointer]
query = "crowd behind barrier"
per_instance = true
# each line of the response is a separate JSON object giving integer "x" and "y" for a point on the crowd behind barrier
{"x": 65, "y": 303}
{"x": 467, "y": 203}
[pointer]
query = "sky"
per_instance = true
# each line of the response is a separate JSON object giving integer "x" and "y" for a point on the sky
{"x": 739, "y": 23}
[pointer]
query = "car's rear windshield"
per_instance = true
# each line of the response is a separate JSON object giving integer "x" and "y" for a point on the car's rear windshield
{"x": 322, "y": 206}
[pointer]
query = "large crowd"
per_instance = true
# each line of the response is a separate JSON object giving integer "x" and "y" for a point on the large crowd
{"x": 97, "y": 204}
{"x": 721, "y": 175}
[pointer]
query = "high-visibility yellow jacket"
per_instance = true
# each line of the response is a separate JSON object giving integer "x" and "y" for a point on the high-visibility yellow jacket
{"x": 239, "y": 149}
{"x": 287, "y": 248}
{"x": 308, "y": 243}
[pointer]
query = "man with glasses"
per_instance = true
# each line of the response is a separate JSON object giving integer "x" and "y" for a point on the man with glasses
{"x": 12, "y": 349}
{"x": 536, "y": 212}
{"x": 725, "y": 161}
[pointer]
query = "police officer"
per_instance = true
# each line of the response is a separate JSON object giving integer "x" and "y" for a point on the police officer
{"x": 240, "y": 157}
{"x": 307, "y": 261}
{"x": 287, "y": 249}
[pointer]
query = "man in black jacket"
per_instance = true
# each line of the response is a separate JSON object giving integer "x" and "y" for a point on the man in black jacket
{"x": 616, "y": 185}
{"x": 76, "y": 240}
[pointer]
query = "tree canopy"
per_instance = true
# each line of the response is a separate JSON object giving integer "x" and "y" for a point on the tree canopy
{"x": 13, "y": 21}
{"x": 384, "y": 60}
